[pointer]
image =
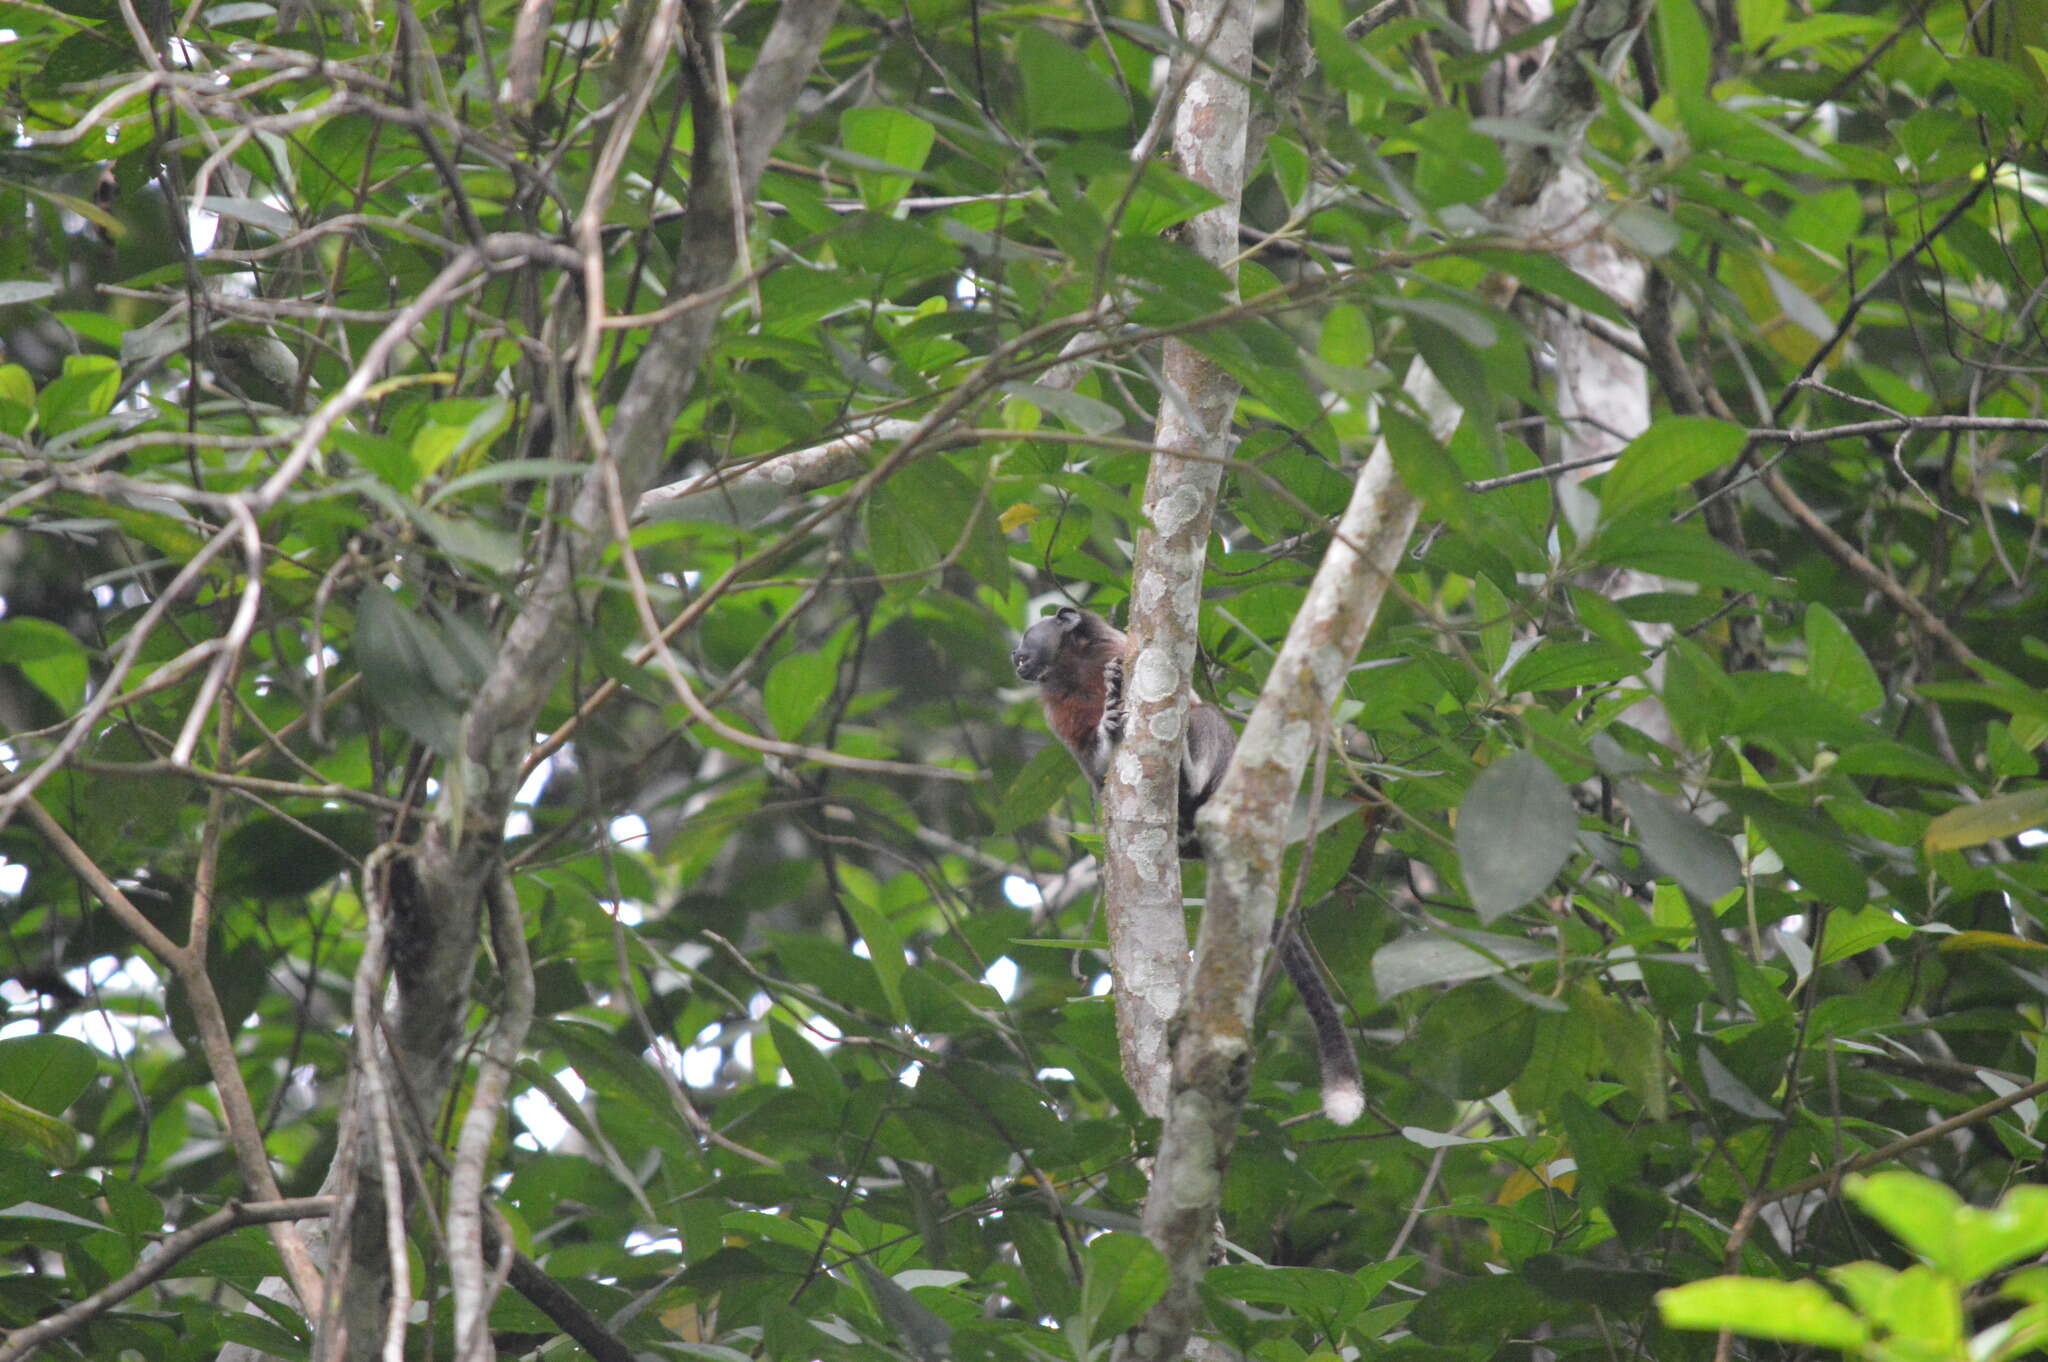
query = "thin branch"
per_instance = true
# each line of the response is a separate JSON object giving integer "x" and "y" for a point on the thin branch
{"x": 171, "y": 1250}
{"x": 1849, "y": 556}
{"x": 1831, "y": 1179}
{"x": 472, "y": 1167}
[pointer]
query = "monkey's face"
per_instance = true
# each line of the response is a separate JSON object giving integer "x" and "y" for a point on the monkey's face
{"x": 1042, "y": 642}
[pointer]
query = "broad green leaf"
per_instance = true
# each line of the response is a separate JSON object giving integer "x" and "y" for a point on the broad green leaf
{"x": 16, "y": 386}
{"x": 284, "y": 857}
{"x": 456, "y": 429}
{"x": 885, "y": 949}
{"x": 1960, "y": 1240}
{"x": 1671, "y": 454}
{"x": 1560, "y": 666}
{"x": 413, "y": 675}
{"x": 1681, "y": 846}
{"x": 796, "y": 688}
{"x": 1917, "y": 1306}
{"x": 1440, "y": 956}
{"x": 48, "y": 655}
{"x": 890, "y": 137}
{"x": 1970, "y": 825}
{"x": 1920, "y": 1212}
{"x": 1323, "y": 1296}
{"x": 1651, "y": 544}
{"x": 1515, "y": 830}
{"x": 1790, "y": 1312}
{"x": 1852, "y": 933}
{"x": 1725, "y": 1087}
{"x": 1122, "y": 1276}
{"x": 1063, "y": 89}
{"x": 1685, "y": 52}
{"x": 929, "y": 514}
{"x": 46, "y": 1073}
{"x": 1759, "y": 21}
{"x": 35, "y": 1220}
{"x": 1836, "y": 666}
{"x": 1599, "y": 1146}
{"x": 919, "y": 1331}
{"x": 84, "y": 392}
{"x": 17, "y": 291}
{"x": 1048, "y": 775}
{"x": 1474, "y": 1040}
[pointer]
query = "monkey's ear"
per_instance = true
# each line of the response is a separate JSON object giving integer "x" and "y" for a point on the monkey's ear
{"x": 1068, "y": 616}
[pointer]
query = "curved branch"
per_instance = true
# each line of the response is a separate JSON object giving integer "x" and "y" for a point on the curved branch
{"x": 170, "y": 1251}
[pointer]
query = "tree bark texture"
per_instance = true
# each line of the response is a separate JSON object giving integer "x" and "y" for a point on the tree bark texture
{"x": 1147, "y": 931}
{"x": 1244, "y": 826}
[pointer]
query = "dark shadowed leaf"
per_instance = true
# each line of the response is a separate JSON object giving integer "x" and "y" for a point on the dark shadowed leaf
{"x": 1681, "y": 846}
{"x": 1122, "y": 1276}
{"x": 1515, "y": 830}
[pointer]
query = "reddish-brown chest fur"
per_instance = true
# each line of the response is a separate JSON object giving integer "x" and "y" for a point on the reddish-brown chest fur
{"x": 1074, "y": 690}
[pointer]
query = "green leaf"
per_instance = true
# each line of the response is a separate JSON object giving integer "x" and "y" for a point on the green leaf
{"x": 1790, "y": 1312}
{"x": 928, "y": 514}
{"x": 1515, "y": 830}
{"x": 1836, "y": 666}
{"x": 1605, "y": 1156}
{"x": 1048, "y": 775}
{"x": 52, "y": 660}
{"x": 1654, "y": 545}
{"x": 1685, "y": 51}
{"x": 25, "y": 1127}
{"x": 84, "y": 392}
{"x": 1852, "y": 933}
{"x": 1426, "y": 469}
{"x": 926, "y": 1336}
{"x": 1441, "y": 955}
{"x": 1959, "y": 1240}
{"x": 1919, "y": 1212}
{"x": 885, "y": 950}
{"x": 1990, "y": 1241}
{"x": 796, "y": 688}
{"x": 279, "y": 857}
{"x": 455, "y": 429}
{"x": 1560, "y": 666}
{"x": 1063, "y": 89}
{"x": 1475, "y": 1039}
{"x": 1725, "y": 1087}
{"x": 890, "y": 137}
{"x": 46, "y": 1073}
{"x": 413, "y": 675}
{"x": 1970, "y": 825}
{"x": 16, "y": 385}
{"x": 1564, "y": 1052}
{"x": 1681, "y": 846}
{"x": 1759, "y": 21}
{"x": 1669, "y": 455}
{"x": 16, "y": 291}
{"x": 1326, "y": 1298}
{"x": 1122, "y": 1276}
{"x": 1456, "y": 164}
{"x": 44, "y": 1220}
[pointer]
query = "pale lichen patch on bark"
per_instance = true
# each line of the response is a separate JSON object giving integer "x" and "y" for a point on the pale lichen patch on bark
{"x": 1154, "y": 679}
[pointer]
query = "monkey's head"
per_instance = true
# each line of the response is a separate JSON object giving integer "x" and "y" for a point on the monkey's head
{"x": 1044, "y": 641}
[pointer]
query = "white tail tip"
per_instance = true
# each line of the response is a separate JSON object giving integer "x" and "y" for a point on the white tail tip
{"x": 1344, "y": 1103}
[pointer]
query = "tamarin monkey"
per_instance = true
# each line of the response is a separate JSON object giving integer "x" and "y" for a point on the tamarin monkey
{"x": 1077, "y": 659}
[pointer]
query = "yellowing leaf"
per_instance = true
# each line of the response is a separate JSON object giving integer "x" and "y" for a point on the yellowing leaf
{"x": 1975, "y": 824}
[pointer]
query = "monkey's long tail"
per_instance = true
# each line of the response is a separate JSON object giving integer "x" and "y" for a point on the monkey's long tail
{"x": 1343, "y": 1087}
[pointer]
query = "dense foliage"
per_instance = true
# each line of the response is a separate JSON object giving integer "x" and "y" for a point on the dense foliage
{"x": 1668, "y": 853}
